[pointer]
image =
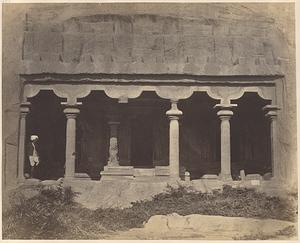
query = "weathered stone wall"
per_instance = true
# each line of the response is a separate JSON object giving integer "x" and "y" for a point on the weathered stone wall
{"x": 203, "y": 39}
{"x": 152, "y": 43}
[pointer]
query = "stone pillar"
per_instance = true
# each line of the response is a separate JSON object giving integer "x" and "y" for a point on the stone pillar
{"x": 271, "y": 113}
{"x": 24, "y": 110}
{"x": 71, "y": 114}
{"x": 225, "y": 113}
{"x": 113, "y": 170}
{"x": 174, "y": 113}
{"x": 124, "y": 135}
{"x": 113, "y": 159}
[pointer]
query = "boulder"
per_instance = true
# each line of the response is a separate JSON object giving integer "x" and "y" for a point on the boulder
{"x": 217, "y": 227}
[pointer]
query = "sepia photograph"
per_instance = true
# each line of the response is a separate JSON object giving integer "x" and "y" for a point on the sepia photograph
{"x": 149, "y": 121}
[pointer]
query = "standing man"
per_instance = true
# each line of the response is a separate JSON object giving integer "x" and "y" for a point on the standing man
{"x": 33, "y": 155}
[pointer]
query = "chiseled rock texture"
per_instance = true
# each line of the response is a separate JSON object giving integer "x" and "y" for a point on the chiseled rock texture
{"x": 153, "y": 43}
{"x": 196, "y": 39}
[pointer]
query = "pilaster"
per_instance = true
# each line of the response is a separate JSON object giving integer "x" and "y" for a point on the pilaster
{"x": 271, "y": 113}
{"x": 24, "y": 110}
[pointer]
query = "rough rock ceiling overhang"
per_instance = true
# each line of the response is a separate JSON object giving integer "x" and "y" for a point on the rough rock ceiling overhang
{"x": 153, "y": 44}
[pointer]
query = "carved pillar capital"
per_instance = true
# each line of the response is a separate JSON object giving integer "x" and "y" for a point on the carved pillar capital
{"x": 24, "y": 109}
{"x": 173, "y": 117}
{"x": 174, "y": 112}
{"x": 225, "y": 107}
{"x": 72, "y": 115}
{"x": 225, "y": 114}
{"x": 71, "y": 111}
{"x": 224, "y": 111}
{"x": 271, "y": 111}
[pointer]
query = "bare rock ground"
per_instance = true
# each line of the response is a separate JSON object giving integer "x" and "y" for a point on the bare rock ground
{"x": 206, "y": 227}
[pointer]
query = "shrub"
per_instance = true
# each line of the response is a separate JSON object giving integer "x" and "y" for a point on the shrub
{"x": 234, "y": 202}
{"x": 37, "y": 217}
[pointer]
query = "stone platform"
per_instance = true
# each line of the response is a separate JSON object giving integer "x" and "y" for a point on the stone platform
{"x": 117, "y": 172}
{"x": 121, "y": 193}
{"x": 115, "y": 193}
{"x": 129, "y": 172}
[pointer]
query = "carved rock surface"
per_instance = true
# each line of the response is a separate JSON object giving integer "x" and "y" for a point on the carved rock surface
{"x": 140, "y": 43}
{"x": 246, "y": 38}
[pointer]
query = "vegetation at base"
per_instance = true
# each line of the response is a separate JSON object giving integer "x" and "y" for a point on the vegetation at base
{"x": 53, "y": 214}
{"x": 287, "y": 232}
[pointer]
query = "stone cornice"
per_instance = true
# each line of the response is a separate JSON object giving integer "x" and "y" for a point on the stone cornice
{"x": 146, "y": 78}
{"x": 124, "y": 86}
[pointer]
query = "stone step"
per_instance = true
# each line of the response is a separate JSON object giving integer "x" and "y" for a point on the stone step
{"x": 141, "y": 172}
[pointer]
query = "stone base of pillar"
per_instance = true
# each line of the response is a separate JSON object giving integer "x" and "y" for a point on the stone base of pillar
{"x": 278, "y": 180}
{"x": 82, "y": 176}
{"x": 144, "y": 172}
{"x": 225, "y": 177}
{"x": 117, "y": 172}
{"x": 162, "y": 171}
{"x": 31, "y": 182}
{"x": 70, "y": 178}
{"x": 21, "y": 180}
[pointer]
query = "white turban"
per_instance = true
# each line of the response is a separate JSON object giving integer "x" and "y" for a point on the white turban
{"x": 33, "y": 137}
